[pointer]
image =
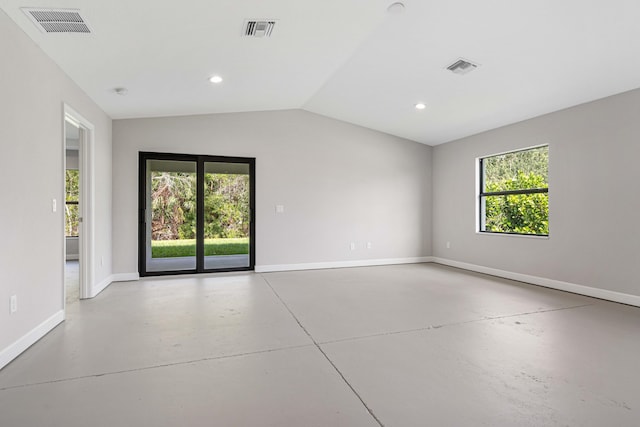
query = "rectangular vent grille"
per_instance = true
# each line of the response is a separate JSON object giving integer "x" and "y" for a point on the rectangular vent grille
{"x": 462, "y": 66}
{"x": 57, "y": 20}
{"x": 259, "y": 28}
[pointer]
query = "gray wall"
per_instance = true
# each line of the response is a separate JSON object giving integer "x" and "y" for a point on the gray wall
{"x": 33, "y": 91}
{"x": 72, "y": 159}
{"x": 594, "y": 199}
{"x": 338, "y": 182}
{"x": 72, "y": 248}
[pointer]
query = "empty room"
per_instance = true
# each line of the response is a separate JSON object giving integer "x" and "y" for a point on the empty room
{"x": 319, "y": 213}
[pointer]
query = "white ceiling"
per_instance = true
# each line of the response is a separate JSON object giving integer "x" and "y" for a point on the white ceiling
{"x": 350, "y": 59}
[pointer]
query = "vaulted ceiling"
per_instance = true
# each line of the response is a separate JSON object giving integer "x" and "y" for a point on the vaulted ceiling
{"x": 352, "y": 60}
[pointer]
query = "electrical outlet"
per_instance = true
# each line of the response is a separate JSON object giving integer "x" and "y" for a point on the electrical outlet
{"x": 14, "y": 303}
{"x": 369, "y": 245}
{"x": 352, "y": 246}
{"x": 448, "y": 245}
{"x": 54, "y": 205}
{"x": 101, "y": 261}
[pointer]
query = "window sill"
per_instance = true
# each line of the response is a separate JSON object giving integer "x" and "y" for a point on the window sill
{"x": 526, "y": 236}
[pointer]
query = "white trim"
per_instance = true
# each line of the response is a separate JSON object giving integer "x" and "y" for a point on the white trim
{"x": 547, "y": 283}
{"x": 26, "y": 341}
{"x": 95, "y": 290}
{"x": 340, "y": 264}
{"x": 125, "y": 277}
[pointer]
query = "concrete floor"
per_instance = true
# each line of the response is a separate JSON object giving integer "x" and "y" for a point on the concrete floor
{"x": 72, "y": 281}
{"x": 412, "y": 345}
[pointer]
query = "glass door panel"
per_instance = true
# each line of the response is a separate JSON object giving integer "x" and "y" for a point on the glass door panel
{"x": 170, "y": 215}
{"x": 227, "y": 215}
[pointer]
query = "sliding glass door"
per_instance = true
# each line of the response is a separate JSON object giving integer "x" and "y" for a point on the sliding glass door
{"x": 196, "y": 214}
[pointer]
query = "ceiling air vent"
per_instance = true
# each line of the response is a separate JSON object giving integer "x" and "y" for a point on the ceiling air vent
{"x": 462, "y": 66}
{"x": 57, "y": 20}
{"x": 258, "y": 28}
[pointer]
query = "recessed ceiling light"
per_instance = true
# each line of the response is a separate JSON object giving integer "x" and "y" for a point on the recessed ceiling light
{"x": 421, "y": 106}
{"x": 215, "y": 79}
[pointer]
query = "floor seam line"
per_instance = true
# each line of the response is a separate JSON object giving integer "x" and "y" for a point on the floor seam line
{"x": 430, "y": 327}
{"x": 147, "y": 368}
{"x": 315, "y": 343}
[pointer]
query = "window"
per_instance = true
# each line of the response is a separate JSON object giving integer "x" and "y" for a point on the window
{"x": 71, "y": 203}
{"x": 514, "y": 192}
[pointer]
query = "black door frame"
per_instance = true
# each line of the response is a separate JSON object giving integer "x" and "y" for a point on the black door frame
{"x": 200, "y": 160}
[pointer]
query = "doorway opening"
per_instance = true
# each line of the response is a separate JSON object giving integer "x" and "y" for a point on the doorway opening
{"x": 78, "y": 206}
{"x": 72, "y": 212}
{"x": 196, "y": 214}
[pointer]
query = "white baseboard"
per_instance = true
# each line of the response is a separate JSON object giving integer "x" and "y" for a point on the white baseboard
{"x": 547, "y": 283}
{"x": 30, "y": 338}
{"x": 95, "y": 290}
{"x": 339, "y": 264}
{"x": 122, "y": 277}
{"x": 125, "y": 277}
